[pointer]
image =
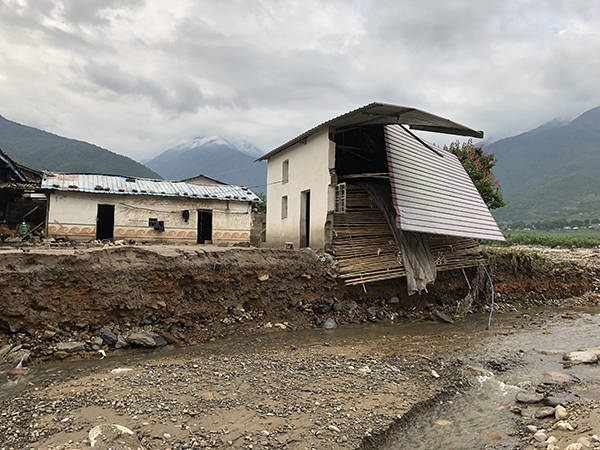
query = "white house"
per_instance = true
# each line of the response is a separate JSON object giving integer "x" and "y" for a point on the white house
{"x": 363, "y": 186}
{"x": 88, "y": 206}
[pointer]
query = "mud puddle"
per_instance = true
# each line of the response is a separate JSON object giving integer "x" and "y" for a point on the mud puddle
{"x": 481, "y": 417}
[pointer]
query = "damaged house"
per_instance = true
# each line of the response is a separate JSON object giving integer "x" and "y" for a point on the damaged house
{"x": 21, "y": 198}
{"x": 201, "y": 210}
{"x": 385, "y": 203}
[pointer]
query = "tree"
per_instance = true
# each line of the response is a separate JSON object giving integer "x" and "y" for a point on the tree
{"x": 260, "y": 205}
{"x": 478, "y": 165}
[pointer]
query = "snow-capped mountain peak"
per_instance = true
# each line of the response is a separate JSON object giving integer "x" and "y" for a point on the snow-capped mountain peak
{"x": 201, "y": 141}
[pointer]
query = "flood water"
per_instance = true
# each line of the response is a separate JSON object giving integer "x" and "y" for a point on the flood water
{"x": 482, "y": 417}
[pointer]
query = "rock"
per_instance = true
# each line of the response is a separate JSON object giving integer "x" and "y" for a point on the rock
{"x": 540, "y": 436}
{"x": 121, "y": 370}
{"x": 109, "y": 337}
{"x": 595, "y": 438}
{"x": 563, "y": 425}
{"x": 529, "y": 397}
{"x": 365, "y": 370}
{"x": 443, "y": 422}
{"x": 70, "y": 347}
{"x": 442, "y": 317}
{"x": 434, "y": 374}
{"x": 478, "y": 371}
{"x": 97, "y": 341}
{"x": 146, "y": 339}
{"x": 17, "y": 372}
{"x": 581, "y": 357}
{"x": 4, "y": 350}
{"x": 560, "y": 412}
{"x": 576, "y": 446}
{"x": 268, "y": 325}
{"x": 394, "y": 300}
{"x": 345, "y": 306}
{"x": 559, "y": 378}
{"x": 334, "y": 428}
{"x": 544, "y": 411}
{"x": 565, "y": 398}
{"x": 551, "y": 440}
{"x": 280, "y": 326}
{"x": 107, "y": 436}
{"x": 372, "y": 313}
{"x": 121, "y": 342}
{"x": 584, "y": 441}
{"x": 531, "y": 428}
{"x": 14, "y": 357}
{"x": 330, "y": 324}
{"x": 495, "y": 435}
{"x": 263, "y": 277}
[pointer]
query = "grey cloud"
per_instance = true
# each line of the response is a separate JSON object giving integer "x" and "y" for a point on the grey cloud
{"x": 267, "y": 70}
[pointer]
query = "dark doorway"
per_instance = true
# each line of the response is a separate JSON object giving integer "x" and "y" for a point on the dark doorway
{"x": 105, "y": 221}
{"x": 204, "y": 226}
{"x": 305, "y": 219}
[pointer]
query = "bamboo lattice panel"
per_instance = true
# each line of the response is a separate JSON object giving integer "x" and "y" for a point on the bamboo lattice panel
{"x": 365, "y": 250}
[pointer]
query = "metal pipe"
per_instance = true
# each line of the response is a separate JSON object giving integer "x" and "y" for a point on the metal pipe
{"x": 492, "y": 289}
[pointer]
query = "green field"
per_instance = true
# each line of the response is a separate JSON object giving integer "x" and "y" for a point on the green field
{"x": 554, "y": 238}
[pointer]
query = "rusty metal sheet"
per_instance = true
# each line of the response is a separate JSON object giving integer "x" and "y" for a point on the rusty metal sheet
{"x": 432, "y": 192}
{"x": 110, "y": 184}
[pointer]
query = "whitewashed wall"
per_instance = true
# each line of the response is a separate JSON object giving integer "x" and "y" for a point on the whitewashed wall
{"x": 309, "y": 165}
{"x": 73, "y": 214}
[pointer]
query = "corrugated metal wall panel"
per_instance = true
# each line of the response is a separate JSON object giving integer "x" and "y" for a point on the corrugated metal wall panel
{"x": 432, "y": 191}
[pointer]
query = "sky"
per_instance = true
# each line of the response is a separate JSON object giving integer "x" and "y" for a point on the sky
{"x": 138, "y": 77}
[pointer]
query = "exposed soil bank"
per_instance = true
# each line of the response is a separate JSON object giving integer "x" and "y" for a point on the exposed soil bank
{"x": 188, "y": 294}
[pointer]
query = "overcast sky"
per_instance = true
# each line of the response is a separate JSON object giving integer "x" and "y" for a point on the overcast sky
{"x": 140, "y": 76}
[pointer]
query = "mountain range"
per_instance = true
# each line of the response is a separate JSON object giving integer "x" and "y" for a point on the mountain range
{"x": 552, "y": 171}
{"x": 46, "y": 151}
{"x": 217, "y": 157}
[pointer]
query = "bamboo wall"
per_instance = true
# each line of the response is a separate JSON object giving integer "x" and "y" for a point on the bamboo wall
{"x": 365, "y": 250}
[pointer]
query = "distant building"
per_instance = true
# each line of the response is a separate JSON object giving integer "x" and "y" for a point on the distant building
{"x": 88, "y": 206}
{"x": 202, "y": 179}
{"x": 384, "y": 202}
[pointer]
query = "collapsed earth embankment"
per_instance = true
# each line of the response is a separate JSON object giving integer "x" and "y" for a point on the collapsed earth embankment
{"x": 53, "y": 297}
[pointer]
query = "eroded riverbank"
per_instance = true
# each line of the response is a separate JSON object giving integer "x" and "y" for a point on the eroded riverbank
{"x": 305, "y": 389}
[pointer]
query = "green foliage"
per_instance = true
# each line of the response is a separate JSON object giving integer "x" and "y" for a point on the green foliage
{"x": 478, "y": 165}
{"x": 261, "y": 205}
{"x": 555, "y": 238}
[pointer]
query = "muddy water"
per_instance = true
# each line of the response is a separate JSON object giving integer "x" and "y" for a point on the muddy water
{"x": 481, "y": 416}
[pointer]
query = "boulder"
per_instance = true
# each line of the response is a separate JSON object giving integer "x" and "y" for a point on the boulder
{"x": 563, "y": 425}
{"x": 113, "y": 436}
{"x": 540, "y": 436}
{"x": 558, "y": 378}
{"x": 581, "y": 357}
{"x": 109, "y": 337}
{"x": 146, "y": 339}
{"x": 330, "y": 324}
{"x": 70, "y": 347}
{"x": 4, "y": 350}
{"x": 121, "y": 342}
{"x": 14, "y": 357}
{"x": 544, "y": 411}
{"x": 560, "y": 412}
{"x": 529, "y": 397}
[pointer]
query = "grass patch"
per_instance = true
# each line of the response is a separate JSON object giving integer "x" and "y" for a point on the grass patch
{"x": 555, "y": 238}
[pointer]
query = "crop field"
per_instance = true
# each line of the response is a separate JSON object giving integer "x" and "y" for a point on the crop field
{"x": 555, "y": 238}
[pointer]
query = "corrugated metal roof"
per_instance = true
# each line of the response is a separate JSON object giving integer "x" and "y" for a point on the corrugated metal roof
{"x": 383, "y": 114}
{"x": 432, "y": 192}
{"x": 12, "y": 165}
{"x": 112, "y": 184}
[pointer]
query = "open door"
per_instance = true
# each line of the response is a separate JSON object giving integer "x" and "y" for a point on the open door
{"x": 204, "y": 226}
{"x": 105, "y": 222}
{"x": 305, "y": 219}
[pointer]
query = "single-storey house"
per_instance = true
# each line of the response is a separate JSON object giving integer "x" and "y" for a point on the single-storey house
{"x": 383, "y": 201}
{"x": 90, "y": 206}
